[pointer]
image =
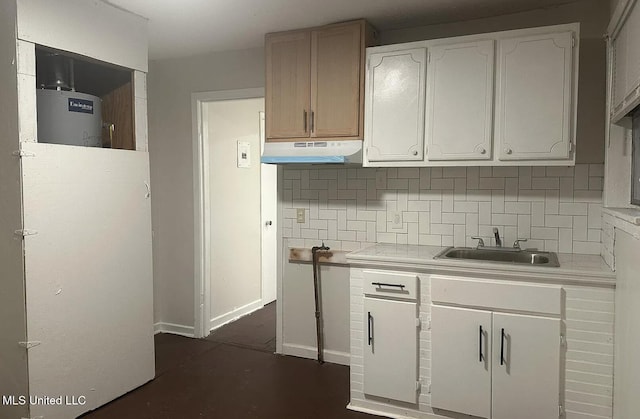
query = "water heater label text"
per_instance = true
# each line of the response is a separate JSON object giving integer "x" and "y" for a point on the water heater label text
{"x": 80, "y": 105}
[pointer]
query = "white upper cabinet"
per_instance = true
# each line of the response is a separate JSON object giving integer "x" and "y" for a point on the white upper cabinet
{"x": 626, "y": 63}
{"x": 496, "y": 99}
{"x": 534, "y": 100}
{"x": 394, "y": 105}
{"x": 460, "y": 87}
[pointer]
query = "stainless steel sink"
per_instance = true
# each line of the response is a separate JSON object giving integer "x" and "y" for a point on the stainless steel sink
{"x": 503, "y": 255}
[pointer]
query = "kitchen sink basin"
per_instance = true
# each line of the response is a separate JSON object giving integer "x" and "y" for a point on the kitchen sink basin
{"x": 503, "y": 255}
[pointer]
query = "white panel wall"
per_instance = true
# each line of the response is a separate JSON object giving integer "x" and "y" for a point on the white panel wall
{"x": 13, "y": 368}
{"x": 235, "y": 206}
{"x": 87, "y": 27}
{"x": 88, "y": 274}
{"x": 556, "y": 208}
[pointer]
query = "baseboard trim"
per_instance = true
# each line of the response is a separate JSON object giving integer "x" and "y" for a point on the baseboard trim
{"x": 311, "y": 352}
{"x": 220, "y": 321}
{"x": 389, "y": 411}
{"x": 176, "y": 329}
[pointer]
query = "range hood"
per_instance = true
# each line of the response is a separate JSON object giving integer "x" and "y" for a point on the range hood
{"x": 314, "y": 152}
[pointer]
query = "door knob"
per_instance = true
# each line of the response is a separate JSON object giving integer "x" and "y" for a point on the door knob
{"x": 508, "y": 151}
{"x": 415, "y": 153}
{"x": 268, "y": 223}
{"x": 482, "y": 150}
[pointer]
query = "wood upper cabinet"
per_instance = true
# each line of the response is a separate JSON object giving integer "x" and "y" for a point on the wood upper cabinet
{"x": 315, "y": 81}
{"x": 460, "y": 86}
{"x": 535, "y": 97}
{"x": 395, "y": 98}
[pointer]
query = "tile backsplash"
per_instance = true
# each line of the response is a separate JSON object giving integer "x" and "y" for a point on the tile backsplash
{"x": 555, "y": 208}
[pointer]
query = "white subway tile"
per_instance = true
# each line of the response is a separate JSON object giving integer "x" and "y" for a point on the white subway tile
{"x": 367, "y": 173}
{"x": 442, "y": 229}
{"x": 459, "y": 232}
{"x": 347, "y": 235}
{"x": 291, "y": 174}
{"x": 517, "y": 207}
{"x": 453, "y": 218}
{"x": 569, "y": 208}
{"x": 491, "y": 183}
{"x": 594, "y": 216}
{"x": 425, "y": 178}
{"x": 565, "y": 221}
{"x": 524, "y": 226}
{"x": 410, "y": 217}
{"x": 430, "y": 240}
{"x": 386, "y": 238}
{"x": 414, "y": 187}
{"x": 342, "y": 220}
{"x": 357, "y": 184}
{"x": 381, "y": 221}
{"x": 342, "y": 179}
{"x": 318, "y": 224}
{"x": 545, "y": 183}
{"x": 531, "y": 195}
{"x": 472, "y": 224}
{"x": 566, "y": 189}
{"x": 347, "y": 194}
{"x": 423, "y": 222}
{"x": 596, "y": 170}
{"x": 552, "y": 201}
{"x": 436, "y": 173}
{"x": 418, "y": 206}
{"x": 511, "y": 189}
{"x": 459, "y": 172}
{"x": 485, "y": 171}
{"x": 366, "y": 215}
{"x": 381, "y": 178}
{"x": 447, "y": 240}
{"x": 436, "y": 212}
{"x": 371, "y": 231}
{"x": 327, "y": 174}
{"x": 484, "y": 211}
{"x": 323, "y": 235}
{"x": 391, "y": 228}
{"x": 352, "y": 173}
{"x": 581, "y": 180}
{"x": 412, "y": 235}
{"x": 356, "y": 226}
{"x": 308, "y": 194}
{"x": 497, "y": 201}
{"x": 538, "y": 171}
{"x": 560, "y": 171}
{"x": 544, "y": 233}
{"x": 352, "y": 210}
{"x": 397, "y": 184}
{"x": 460, "y": 188}
{"x": 403, "y": 198}
{"x": 332, "y": 229}
{"x": 587, "y": 248}
{"x": 524, "y": 178}
{"x": 409, "y": 172}
{"x": 596, "y": 183}
{"x": 505, "y": 171}
{"x": 587, "y": 196}
{"x": 431, "y": 195}
{"x": 594, "y": 235}
{"x": 565, "y": 240}
{"x": 306, "y": 233}
{"x": 473, "y": 176}
{"x": 465, "y": 206}
{"x": 447, "y": 201}
{"x": 479, "y": 195}
{"x": 442, "y": 183}
{"x": 504, "y": 219}
{"x": 551, "y": 245}
{"x": 392, "y": 173}
{"x": 580, "y": 228}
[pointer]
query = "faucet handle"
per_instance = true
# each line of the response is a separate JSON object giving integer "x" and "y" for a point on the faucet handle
{"x": 516, "y": 244}
{"x": 480, "y": 241}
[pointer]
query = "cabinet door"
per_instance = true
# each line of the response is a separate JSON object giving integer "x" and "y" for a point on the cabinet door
{"x": 534, "y": 103}
{"x": 461, "y": 360}
{"x": 336, "y": 56}
{"x": 619, "y": 70}
{"x": 394, "y": 119}
{"x": 526, "y": 367}
{"x": 460, "y": 101}
{"x": 633, "y": 54}
{"x": 390, "y": 349}
{"x": 287, "y": 101}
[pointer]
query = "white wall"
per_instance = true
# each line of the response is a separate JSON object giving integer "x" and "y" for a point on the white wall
{"x": 170, "y": 84}
{"x": 235, "y": 206}
{"x": 13, "y": 367}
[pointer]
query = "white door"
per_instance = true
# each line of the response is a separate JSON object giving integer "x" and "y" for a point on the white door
{"x": 534, "y": 99}
{"x": 460, "y": 101}
{"x": 461, "y": 360}
{"x": 88, "y": 264}
{"x": 394, "y": 106}
{"x": 390, "y": 349}
{"x": 526, "y": 367}
{"x": 268, "y": 211}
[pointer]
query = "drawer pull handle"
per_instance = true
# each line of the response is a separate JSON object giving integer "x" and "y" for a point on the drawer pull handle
{"x": 369, "y": 328}
{"x": 304, "y": 119}
{"x": 480, "y": 344}
{"x": 502, "y": 336}
{"x": 382, "y": 284}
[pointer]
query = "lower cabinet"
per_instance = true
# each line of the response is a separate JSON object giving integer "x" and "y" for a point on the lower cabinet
{"x": 391, "y": 323}
{"x": 495, "y": 365}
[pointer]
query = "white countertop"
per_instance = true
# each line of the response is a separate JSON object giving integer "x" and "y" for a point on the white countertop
{"x": 573, "y": 267}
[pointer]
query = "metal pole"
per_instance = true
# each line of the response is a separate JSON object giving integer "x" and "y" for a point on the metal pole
{"x": 318, "y": 302}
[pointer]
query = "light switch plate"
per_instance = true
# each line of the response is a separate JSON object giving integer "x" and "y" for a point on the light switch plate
{"x": 300, "y": 215}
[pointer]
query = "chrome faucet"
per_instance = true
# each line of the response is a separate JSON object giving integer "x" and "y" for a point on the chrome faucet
{"x": 497, "y": 236}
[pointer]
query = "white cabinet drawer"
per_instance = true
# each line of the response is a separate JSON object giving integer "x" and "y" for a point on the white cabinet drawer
{"x": 497, "y": 295}
{"x": 390, "y": 284}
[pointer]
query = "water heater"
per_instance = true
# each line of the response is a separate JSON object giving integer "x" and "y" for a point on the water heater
{"x": 66, "y": 117}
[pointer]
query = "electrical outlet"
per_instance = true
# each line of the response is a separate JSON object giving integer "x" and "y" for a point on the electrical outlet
{"x": 396, "y": 220}
{"x": 300, "y": 215}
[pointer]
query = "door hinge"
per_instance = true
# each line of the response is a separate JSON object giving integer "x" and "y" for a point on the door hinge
{"x": 418, "y": 322}
{"x": 418, "y": 385}
{"x": 560, "y": 411}
{"x": 570, "y": 146}
{"x": 25, "y": 232}
{"x": 563, "y": 341}
{"x": 573, "y": 42}
{"x": 29, "y": 344}
{"x": 22, "y": 153}
{"x": 428, "y": 57}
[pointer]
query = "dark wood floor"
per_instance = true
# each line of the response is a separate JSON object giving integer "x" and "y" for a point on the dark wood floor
{"x": 235, "y": 374}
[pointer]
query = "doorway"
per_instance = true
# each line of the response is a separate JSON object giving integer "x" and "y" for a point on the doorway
{"x": 235, "y": 209}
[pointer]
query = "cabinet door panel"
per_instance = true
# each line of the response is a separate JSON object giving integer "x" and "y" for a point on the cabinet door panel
{"x": 336, "y": 54}
{"x": 620, "y": 69}
{"x": 633, "y": 53}
{"x": 391, "y": 355}
{"x": 527, "y": 383}
{"x": 534, "y": 115}
{"x": 460, "y": 379}
{"x": 287, "y": 102}
{"x": 460, "y": 101}
{"x": 394, "y": 121}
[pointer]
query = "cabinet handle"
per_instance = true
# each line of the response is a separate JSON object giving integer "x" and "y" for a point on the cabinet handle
{"x": 304, "y": 119}
{"x": 481, "y": 150}
{"x": 415, "y": 153}
{"x": 480, "y": 341}
{"x": 508, "y": 151}
{"x": 313, "y": 121}
{"x": 382, "y": 284}
{"x": 502, "y": 336}
{"x": 369, "y": 328}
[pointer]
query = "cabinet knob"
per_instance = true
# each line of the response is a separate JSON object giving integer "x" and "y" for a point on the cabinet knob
{"x": 508, "y": 151}
{"x": 415, "y": 153}
{"x": 482, "y": 150}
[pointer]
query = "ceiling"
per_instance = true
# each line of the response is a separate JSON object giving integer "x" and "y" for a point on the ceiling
{"x": 191, "y": 27}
